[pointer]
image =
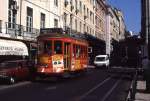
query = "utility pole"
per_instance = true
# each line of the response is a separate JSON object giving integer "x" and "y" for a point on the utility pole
{"x": 145, "y": 24}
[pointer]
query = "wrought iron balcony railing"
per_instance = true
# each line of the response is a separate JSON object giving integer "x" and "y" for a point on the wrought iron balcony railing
{"x": 21, "y": 32}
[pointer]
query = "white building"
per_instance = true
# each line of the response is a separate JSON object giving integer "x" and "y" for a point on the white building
{"x": 112, "y": 29}
{"x": 23, "y": 18}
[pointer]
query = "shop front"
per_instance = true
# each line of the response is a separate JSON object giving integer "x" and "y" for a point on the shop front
{"x": 12, "y": 50}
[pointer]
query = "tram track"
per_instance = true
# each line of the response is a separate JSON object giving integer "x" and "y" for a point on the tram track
{"x": 92, "y": 93}
{"x": 92, "y": 89}
{"x": 110, "y": 91}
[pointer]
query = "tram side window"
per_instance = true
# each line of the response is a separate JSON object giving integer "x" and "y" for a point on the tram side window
{"x": 48, "y": 47}
{"x": 78, "y": 51}
{"x": 74, "y": 50}
{"x": 86, "y": 53}
{"x": 81, "y": 53}
{"x": 58, "y": 47}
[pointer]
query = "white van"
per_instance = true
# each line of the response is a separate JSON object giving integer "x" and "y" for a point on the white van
{"x": 101, "y": 60}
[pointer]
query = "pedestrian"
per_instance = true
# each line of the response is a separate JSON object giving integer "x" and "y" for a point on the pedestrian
{"x": 146, "y": 68}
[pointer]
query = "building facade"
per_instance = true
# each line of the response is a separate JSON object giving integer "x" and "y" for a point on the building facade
{"x": 24, "y": 18}
{"x": 100, "y": 19}
{"x": 115, "y": 28}
{"x": 122, "y": 26}
{"x": 79, "y": 16}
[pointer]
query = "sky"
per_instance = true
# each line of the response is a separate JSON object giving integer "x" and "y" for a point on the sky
{"x": 132, "y": 13}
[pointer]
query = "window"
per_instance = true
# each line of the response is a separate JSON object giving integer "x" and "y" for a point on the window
{"x": 76, "y": 4}
{"x": 76, "y": 25}
{"x": 42, "y": 20}
{"x": 48, "y": 47}
{"x": 91, "y": 15}
{"x": 84, "y": 28}
{"x": 96, "y": 19}
{"x": 0, "y": 25}
{"x": 65, "y": 19}
{"x": 78, "y": 51}
{"x": 29, "y": 23}
{"x": 91, "y": 1}
{"x": 93, "y": 18}
{"x": 45, "y": 47}
{"x": 71, "y": 21}
{"x": 74, "y": 50}
{"x": 80, "y": 26}
{"x": 66, "y": 2}
{"x": 11, "y": 16}
{"x": 71, "y": 2}
{"x": 87, "y": 13}
{"x": 80, "y": 6}
{"x": 55, "y": 23}
{"x": 90, "y": 31}
{"x": 56, "y": 3}
{"x": 84, "y": 10}
{"x": 89, "y": 49}
{"x": 58, "y": 47}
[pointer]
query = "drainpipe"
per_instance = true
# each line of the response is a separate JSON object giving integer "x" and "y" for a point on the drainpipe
{"x": 20, "y": 15}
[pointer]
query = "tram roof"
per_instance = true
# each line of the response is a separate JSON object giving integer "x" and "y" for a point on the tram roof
{"x": 59, "y": 33}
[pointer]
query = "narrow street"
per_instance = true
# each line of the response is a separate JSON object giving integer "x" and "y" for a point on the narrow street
{"x": 95, "y": 85}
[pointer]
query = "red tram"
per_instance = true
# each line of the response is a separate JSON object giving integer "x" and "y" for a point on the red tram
{"x": 60, "y": 53}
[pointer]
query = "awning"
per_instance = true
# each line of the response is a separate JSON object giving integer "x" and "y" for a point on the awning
{"x": 9, "y": 47}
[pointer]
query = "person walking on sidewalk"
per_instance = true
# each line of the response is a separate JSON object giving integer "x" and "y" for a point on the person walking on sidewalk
{"x": 146, "y": 68}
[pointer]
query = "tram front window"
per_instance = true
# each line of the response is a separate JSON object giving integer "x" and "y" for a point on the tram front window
{"x": 45, "y": 47}
{"x": 58, "y": 47}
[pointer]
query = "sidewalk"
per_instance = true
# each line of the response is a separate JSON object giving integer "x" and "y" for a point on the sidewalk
{"x": 141, "y": 95}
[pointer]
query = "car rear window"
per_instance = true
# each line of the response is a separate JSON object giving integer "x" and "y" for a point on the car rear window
{"x": 100, "y": 59}
{"x": 6, "y": 65}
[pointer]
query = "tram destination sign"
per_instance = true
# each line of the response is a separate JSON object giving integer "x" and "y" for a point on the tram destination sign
{"x": 51, "y": 30}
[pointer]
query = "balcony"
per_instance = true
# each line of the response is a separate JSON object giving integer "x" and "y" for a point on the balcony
{"x": 17, "y": 31}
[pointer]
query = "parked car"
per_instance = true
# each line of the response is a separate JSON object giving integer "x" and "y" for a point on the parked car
{"x": 14, "y": 70}
{"x": 101, "y": 60}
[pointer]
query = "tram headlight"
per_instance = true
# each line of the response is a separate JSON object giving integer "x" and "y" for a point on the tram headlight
{"x": 58, "y": 70}
{"x": 44, "y": 65}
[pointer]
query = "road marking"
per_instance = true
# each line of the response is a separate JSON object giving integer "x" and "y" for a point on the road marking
{"x": 90, "y": 66}
{"x": 94, "y": 88}
{"x": 14, "y": 85}
{"x": 110, "y": 91}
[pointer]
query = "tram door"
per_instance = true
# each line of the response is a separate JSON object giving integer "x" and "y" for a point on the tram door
{"x": 67, "y": 55}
